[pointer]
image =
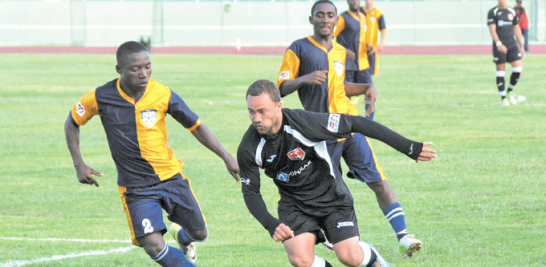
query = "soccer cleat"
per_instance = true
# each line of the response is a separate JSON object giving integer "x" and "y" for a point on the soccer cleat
{"x": 190, "y": 250}
{"x": 512, "y": 99}
{"x": 379, "y": 261}
{"x": 409, "y": 245}
{"x": 354, "y": 100}
{"x": 505, "y": 102}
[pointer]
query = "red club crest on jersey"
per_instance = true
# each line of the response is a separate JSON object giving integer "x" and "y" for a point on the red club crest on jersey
{"x": 296, "y": 154}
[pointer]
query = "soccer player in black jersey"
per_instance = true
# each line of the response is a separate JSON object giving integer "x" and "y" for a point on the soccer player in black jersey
{"x": 503, "y": 24}
{"x": 290, "y": 146}
{"x": 132, "y": 110}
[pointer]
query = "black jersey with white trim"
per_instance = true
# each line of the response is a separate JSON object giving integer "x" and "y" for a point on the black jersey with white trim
{"x": 297, "y": 160}
{"x": 505, "y": 20}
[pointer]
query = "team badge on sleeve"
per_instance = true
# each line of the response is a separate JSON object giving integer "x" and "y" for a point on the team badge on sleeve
{"x": 284, "y": 75}
{"x": 149, "y": 117}
{"x": 80, "y": 109}
{"x": 339, "y": 67}
{"x": 333, "y": 122}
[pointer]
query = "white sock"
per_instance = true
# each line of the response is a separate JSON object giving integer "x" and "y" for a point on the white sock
{"x": 318, "y": 262}
{"x": 367, "y": 253}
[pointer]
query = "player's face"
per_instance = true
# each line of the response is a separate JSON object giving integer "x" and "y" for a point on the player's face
{"x": 135, "y": 71}
{"x": 503, "y": 3}
{"x": 324, "y": 19}
{"x": 354, "y": 5}
{"x": 264, "y": 113}
{"x": 369, "y": 3}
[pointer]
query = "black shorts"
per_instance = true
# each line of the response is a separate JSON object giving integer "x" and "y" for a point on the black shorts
{"x": 355, "y": 76}
{"x": 338, "y": 225}
{"x": 512, "y": 55}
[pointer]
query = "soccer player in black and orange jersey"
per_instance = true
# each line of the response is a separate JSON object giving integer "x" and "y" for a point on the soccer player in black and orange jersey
{"x": 350, "y": 32}
{"x": 503, "y": 24}
{"x": 290, "y": 146}
{"x": 132, "y": 110}
{"x": 376, "y": 23}
{"x": 315, "y": 68}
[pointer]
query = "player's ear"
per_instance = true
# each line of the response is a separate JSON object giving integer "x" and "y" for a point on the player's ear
{"x": 279, "y": 105}
{"x": 311, "y": 19}
{"x": 118, "y": 69}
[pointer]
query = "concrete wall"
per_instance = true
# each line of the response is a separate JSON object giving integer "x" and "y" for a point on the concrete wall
{"x": 174, "y": 23}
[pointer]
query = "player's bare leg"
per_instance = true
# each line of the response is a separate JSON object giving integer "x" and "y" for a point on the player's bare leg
{"x": 301, "y": 251}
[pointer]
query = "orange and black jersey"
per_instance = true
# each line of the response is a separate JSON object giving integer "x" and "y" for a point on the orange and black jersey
{"x": 305, "y": 56}
{"x": 136, "y": 132}
{"x": 297, "y": 160}
{"x": 505, "y": 20}
{"x": 351, "y": 33}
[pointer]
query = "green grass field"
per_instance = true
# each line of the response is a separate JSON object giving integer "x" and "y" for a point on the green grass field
{"x": 481, "y": 203}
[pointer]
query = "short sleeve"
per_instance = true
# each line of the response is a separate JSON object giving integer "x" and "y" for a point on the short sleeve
{"x": 381, "y": 23}
{"x": 289, "y": 68}
{"x": 85, "y": 109}
{"x": 340, "y": 26}
{"x": 516, "y": 20}
{"x": 182, "y": 113}
{"x": 491, "y": 17}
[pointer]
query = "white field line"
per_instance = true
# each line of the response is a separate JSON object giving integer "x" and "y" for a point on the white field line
{"x": 67, "y": 240}
{"x": 60, "y": 257}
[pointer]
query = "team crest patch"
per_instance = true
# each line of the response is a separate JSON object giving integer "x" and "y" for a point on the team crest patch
{"x": 339, "y": 67}
{"x": 372, "y": 19}
{"x": 80, "y": 109}
{"x": 284, "y": 75}
{"x": 282, "y": 177}
{"x": 333, "y": 122}
{"x": 510, "y": 16}
{"x": 149, "y": 117}
{"x": 296, "y": 154}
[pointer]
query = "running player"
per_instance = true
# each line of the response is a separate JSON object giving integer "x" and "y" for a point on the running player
{"x": 503, "y": 24}
{"x": 315, "y": 68}
{"x": 132, "y": 110}
{"x": 290, "y": 146}
{"x": 350, "y": 32}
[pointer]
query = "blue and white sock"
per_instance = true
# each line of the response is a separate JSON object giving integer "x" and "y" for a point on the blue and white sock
{"x": 395, "y": 216}
{"x": 172, "y": 257}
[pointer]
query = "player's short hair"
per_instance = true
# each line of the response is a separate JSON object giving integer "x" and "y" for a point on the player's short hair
{"x": 322, "y": 2}
{"x": 128, "y": 48}
{"x": 264, "y": 86}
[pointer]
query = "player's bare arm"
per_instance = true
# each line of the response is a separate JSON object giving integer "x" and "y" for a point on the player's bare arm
{"x": 500, "y": 46}
{"x": 351, "y": 56}
{"x": 316, "y": 77}
{"x": 209, "y": 140}
{"x": 519, "y": 36}
{"x": 380, "y": 45}
{"x": 370, "y": 49}
{"x": 352, "y": 89}
{"x": 83, "y": 172}
{"x": 282, "y": 232}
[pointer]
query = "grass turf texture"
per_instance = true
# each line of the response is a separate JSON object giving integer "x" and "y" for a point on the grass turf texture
{"x": 481, "y": 203}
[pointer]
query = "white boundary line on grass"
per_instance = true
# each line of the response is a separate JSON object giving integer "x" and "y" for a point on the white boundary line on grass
{"x": 60, "y": 257}
{"x": 68, "y": 240}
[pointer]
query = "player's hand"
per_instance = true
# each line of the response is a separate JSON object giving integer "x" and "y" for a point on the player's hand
{"x": 350, "y": 55}
{"x": 503, "y": 49}
{"x": 371, "y": 95}
{"x": 370, "y": 48}
{"x": 85, "y": 175}
{"x": 427, "y": 154}
{"x": 282, "y": 232}
{"x": 522, "y": 51}
{"x": 316, "y": 77}
{"x": 380, "y": 48}
{"x": 232, "y": 167}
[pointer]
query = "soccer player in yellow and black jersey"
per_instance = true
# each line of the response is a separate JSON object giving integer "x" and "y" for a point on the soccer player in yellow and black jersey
{"x": 132, "y": 110}
{"x": 315, "y": 67}
{"x": 350, "y": 32}
{"x": 376, "y": 24}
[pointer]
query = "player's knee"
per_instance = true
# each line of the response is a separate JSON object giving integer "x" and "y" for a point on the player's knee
{"x": 199, "y": 235}
{"x": 349, "y": 259}
{"x": 301, "y": 260}
{"x": 152, "y": 244}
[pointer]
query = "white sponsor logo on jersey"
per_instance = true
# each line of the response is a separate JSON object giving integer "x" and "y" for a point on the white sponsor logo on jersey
{"x": 80, "y": 109}
{"x": 345, "y": 224}
{"x": 284, "y": 75}
{"x": 149, "y": 117}
{"x": 333, "y": 122}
